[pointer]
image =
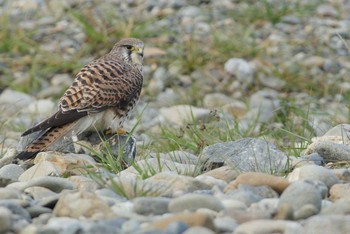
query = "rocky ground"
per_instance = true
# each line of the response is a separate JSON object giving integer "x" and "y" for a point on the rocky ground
{"x": 241, "y": 128}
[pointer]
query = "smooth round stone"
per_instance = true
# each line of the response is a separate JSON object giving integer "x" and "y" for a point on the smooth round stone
{"x": 315, "y": 173}
{"x": 130, "y": 226}
{"x": 112, "y": 226}
{"x": 211, "y": 181}
{"x": 329, "y": 151}
{"x": 225, "y": 224}
{"x": 269, "y": 205}
{"x": 278, "y": 184}
{"x": 11, "y": 171}
{"x": 197, "y": 230}
{"x": 301, "y": 195}
{"x": 55, "y": 184}
{"x": 35, "y": 211}
{"x": 177, "y": 228}
{"x": 191, "y": 219}
{"x": 193, "y": 202}
{"x": 182, "y": 114}
{"x": 62, "y": 225}
{"x": 215, "y": 100}
{"x": 82, "y": 204}
{"x": 15, "y": 208}
{"x": 339, "y": 191}
{"x": 41, "y": 169}
{"x": 327, "y": 224}
{"x": 241, "y": 69}
{"x": 84, "y": 183}
{"x": 8, "y": 193}
{"x": 5, "y": 219}
{"x": 151, "y": 205}
{"x": 269, "y": 226}
{"x": 225, "y": 173}
{"x": 339, "y": 207}
{"x": 245, "y": 194}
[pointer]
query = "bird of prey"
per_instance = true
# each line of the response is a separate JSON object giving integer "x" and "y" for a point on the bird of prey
{"x": 101, "y": 97}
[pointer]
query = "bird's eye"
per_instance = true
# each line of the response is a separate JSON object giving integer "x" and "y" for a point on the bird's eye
{"x": 129, "y": 47}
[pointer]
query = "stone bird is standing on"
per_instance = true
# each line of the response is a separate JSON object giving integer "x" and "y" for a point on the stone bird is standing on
{"x": 101, "y": 97}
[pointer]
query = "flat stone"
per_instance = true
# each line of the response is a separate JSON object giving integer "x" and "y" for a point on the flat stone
{"x": 269, "y": 226}
{"x": 225, "y": 173}
{"x": 182, "y": 114}
{"x": 82, "y": 204}
{"x": 245, "y": 155}
{"x": 8, "y": 193}
{"x": 278, "y": 184}
{"x": 41, "y": 169}
{"x": 329, "y": 151}
{"x": 193, "y": 202}
{"x": 314, "y": 172}
{"x": 225, "y": 224}
{"x": 151, "y": 205}
{"x": 339, "y": 207}
{"x": 11, "y": 171}
{"x": 302, "y": 196}
{"x": 339, "y": 191}
{"x": 5, "y": 220}
{"x": 84, "y": 183}
{"x": 15, "y": 208}
{"x": 196, "y": 230}
{"x": 55, "y": 184}
{"x": 327, "y": 224}
{"x": 191, "y": 219}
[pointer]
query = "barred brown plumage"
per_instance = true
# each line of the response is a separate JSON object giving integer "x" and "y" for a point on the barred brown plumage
{"x": 101, "y": 96}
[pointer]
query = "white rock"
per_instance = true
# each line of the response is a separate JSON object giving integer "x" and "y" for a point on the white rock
{"x": 241, "y": 69}
{"x": 182, "y": 114}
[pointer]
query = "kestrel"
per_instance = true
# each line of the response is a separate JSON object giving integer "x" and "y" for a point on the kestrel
{"x": 101, "y": 97}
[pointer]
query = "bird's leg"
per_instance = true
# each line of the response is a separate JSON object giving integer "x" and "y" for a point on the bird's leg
{"x": 119, "y": 131}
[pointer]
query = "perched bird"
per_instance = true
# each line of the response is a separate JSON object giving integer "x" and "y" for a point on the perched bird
{"x": 101, "y": 97}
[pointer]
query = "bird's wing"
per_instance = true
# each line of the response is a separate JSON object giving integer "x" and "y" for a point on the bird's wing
{"x": 98, "y": 86}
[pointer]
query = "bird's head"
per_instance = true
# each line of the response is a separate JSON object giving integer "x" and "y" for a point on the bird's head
{"x": 129, "y": 50}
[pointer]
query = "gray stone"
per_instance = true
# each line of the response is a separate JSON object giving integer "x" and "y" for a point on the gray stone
{"x": 11, "y": 171}
{"x": 15, "y": 99}
{"x": 339, "y": 207}
{"x": 269, "y": 226}
{"x": 247, "y": 154}
{"x": 197, "y": 230}
{"x": 35, "y": 211}
{"x": 225, "y": 224}
{"x": 8, "y": 193}
{"x": 327, "y": 11}
{"x": 112, "y": 226}
{"x": 90, "y": 206}
{"x": 216, "y": 100}
{"x": 245, "y": 194}
{"x": 327, "y": 224}
{"x": 151, "y": 205}
{"x": 193, "y": 202}
{"x": 131, "y": 226}
{"x": 329, "y": 151}
{"x": 15, "y": 208}
{"x": 55, "y": 184}
{"x": 183, "y": 114}
{"x": 176, "y": 228}
{"x": 241, "y": 69}
{"x": 302, "y": 196}
{"x": 179, "y": 157}
{"x": 5, "y": 219}
{"x": 314, "y": 172}
{"x": 41, "y": 169}
{"x": 62, "y": 225}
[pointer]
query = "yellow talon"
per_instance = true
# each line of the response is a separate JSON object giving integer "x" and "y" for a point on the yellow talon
{"x": 122, "y": 132}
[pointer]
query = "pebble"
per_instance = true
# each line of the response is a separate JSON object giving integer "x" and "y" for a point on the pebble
{"x": 191, "y": 219}
{"x": 314, "y": 172}
{"x": 327, "y": 224}
{"x": 269, "y": 226}
{"x": 41, "y": 169}
{"x": 241, "y": 69}
{"x": 339, "y": 191}
{"x": 247, "y": 154}
{"x": 90, "y": 206}
{"x": 193, "y": 202}
{"x": 196, "y": 230}
{"x": 5, "y": 219}
{"x": 225, "y": 173}
{"x": 151, "y": 205}
{"x": 183, "y": 114}
{"x": 278, "y": 184}
{"x": 339, "y": 207}
{"x": 11, "y": 171}
{"x": 329, "y": 151}
{"x": 311, "y": 199}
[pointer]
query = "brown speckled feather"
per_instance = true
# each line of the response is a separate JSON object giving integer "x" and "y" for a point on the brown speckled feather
{"x": 112, "y": 82}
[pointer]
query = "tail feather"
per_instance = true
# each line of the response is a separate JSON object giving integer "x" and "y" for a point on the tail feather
{"x": 44, "y": 141}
